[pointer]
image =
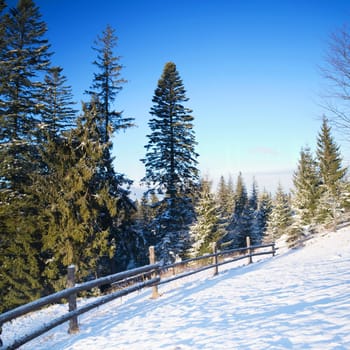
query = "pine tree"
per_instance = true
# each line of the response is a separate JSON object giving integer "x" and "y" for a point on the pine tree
{"x": 107, "y": 83}
{"x": 80, "y": 214}
{"x": 58, "y": 114}
{"x": 332, "y": 175}
{"x": 295, "y": 232}
{"x": 240, "y": 218}
{"x": 170, "y": 162}
{"x": 241, "y": 198}
{"x": 280, "y": 218}
{"x": 307, "y": 193}
{"x": 225, "y": 198}
{"x": 146, "y": 212}
{"x": 246, "y": 221}
{"x": 253, "y": 204}
{"x": 24, "y": 60}
{"x": 207, "y": 228}
{"x": 263, "y": 214}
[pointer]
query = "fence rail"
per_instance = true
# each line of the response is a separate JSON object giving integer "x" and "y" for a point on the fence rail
{"x": 217, "y": 257}
{"x": 151, "y": 275}
{"x": 72, "y": 291}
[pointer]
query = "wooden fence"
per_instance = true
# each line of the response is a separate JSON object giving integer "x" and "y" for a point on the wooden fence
{"x": 133, "y": 280}
{"x": 70, "y": 294}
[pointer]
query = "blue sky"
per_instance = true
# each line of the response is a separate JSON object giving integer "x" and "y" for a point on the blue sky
{"x": 250, "y": 68}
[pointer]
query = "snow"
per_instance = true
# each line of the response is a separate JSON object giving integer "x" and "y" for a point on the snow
{"x": 299, "y": 299}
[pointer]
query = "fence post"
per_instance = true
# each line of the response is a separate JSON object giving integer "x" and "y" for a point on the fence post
{"x": 273, "y": 249}
{"x": 152, "y": 260}
{"x": 250, "y": 259}
{"x": 215, "y": 258}
{"x": 0, "y": 335}
{"x": 72, "y": 301}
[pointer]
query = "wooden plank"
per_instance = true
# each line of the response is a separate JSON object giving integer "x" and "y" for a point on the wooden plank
{"x": 72, "y": 301}
{"x": 152, "y": 260}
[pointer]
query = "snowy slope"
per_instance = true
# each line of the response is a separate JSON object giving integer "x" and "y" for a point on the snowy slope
{"x": 297, "y": 300}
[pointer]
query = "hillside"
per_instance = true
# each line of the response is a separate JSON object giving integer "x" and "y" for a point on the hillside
{"x": 299, "y": 299}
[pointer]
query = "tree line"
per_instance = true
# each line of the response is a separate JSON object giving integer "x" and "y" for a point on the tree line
{"x": 63, "y": 202}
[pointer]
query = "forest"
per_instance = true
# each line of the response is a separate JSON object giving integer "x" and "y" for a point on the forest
{"x": 63, "y": 202}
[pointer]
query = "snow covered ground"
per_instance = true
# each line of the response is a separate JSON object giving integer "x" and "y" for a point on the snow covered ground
{"x": 299, "y": 299}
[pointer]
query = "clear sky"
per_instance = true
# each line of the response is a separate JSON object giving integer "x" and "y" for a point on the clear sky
{"x": 250, "y": 68}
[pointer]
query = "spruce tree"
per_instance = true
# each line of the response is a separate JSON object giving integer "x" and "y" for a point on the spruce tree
{"x": 241, "y": 198}
{"x": 25, "y": 58}
{"x": 253, "y": 204}
{"x": 234, "y": 235}
{"x": 280, "y": 218}
{"x": 207, "y": 228}
{"x": 225, "y": 198}
{"x": 142, "y": 223}
{"x": 306, "y": 199}
{"x": 80, "y": 215}
{"x": 332, "y": 175}
{"x": 246, "y": 219}
{"x": 107, "y": 83}
{"x": 147, "y": 212}
{"x": 263, "y": 214}
{"x": 170, "y": 162}
{"x": 58, "y": 114}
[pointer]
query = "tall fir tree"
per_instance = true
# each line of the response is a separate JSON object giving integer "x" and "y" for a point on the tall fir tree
{"x": 107, "y": 83}
{"x": 332, "y": 175}
{"x": 25, "y": 58}
{"x": 170, "y": 162}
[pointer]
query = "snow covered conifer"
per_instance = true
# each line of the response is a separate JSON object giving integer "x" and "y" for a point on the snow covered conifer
{"x": 332, "y": 175}
{"x": 170, "y": 162}
{"x": 280, "y": 218}
{"x": 306, "y": 179}
{"x": 225, "y": 198}
{"x": 241, "y": 197}
{"x": 207, "y": 228}
{"x": 263, "y": 213}
{"x": 255, "y": 233}
{"x": 240, "y": 223}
